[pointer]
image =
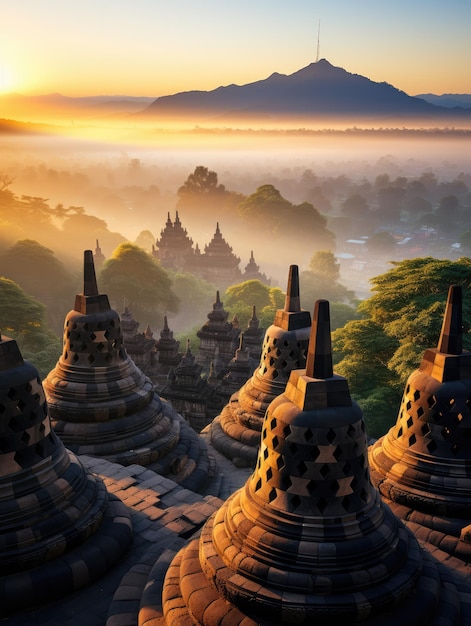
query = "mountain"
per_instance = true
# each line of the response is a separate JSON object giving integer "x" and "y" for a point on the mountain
{"x": 449, "y": 100}
{"x": 319, "y": 91}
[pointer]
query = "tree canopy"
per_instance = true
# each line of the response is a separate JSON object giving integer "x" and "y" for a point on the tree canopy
{"x": 400, "y": 321}
{"x": 133, "y": 278}
{"x": 23, "y": 318}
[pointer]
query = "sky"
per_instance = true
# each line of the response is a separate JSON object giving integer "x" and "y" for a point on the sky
{"x": 154, "y": 47}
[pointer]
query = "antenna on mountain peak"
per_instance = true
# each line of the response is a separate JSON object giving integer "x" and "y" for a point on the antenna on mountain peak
{"x": 318, "y": 40}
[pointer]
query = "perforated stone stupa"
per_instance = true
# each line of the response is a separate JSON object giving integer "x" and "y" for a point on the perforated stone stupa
{"x": 308, "y": 540}
{"x": 103, "y": 405}
{"x": 59, "y": 528}
{"x": 235, "y": 433}
{"x": 422, "y": 466}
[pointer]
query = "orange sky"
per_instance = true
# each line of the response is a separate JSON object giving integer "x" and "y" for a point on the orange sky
{"x": 152, "y": 48}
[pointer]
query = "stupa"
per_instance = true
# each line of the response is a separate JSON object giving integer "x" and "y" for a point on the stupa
{"x": 59, "y": 527}
{"x": 422, "y": 466}
{"x": 308, "y": 539}
{"x": 103, "y": 405}
{"x": 235, "y": 433}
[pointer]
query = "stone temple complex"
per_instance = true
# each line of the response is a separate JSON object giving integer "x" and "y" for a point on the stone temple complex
{"x": 59, "y": 527}
{"x": 422, "y": 466}
{"x": 308, "y": 539}
{"x": 235, "y": 433}
{"x": 102, "y": 404}
{"x": 316, "y": 529}
{"x": 217, "y": 263}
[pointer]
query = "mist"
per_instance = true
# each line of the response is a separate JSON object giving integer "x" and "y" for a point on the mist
{"x": 129, "y": 176}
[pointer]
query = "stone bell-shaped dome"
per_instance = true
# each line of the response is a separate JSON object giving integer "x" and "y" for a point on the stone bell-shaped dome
{"x": 59, "y": 528}
{"x": 308, "y": 540}
{"x": 236, "y": 431}
{"x": 422, "y": 466}
{"x": 103, "y": 405}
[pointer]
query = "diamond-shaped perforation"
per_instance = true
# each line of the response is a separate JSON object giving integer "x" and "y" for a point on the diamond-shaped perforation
{"x": 293, "y": 448}
{"x": 280, "y": 462}
{"x": 273, "y": 423}
{"x": 338, "y": 453}
{"x": 334, "y": 486}
{"x": 258, "y": 484}
{"x": 425, "y": 429}
{"x": 432, "y": 446}
{"x": 412, "y": 440}
{"x": 275, "y": 442}
{"x": 11, "y": 393}
{"x": 92, "y": 336}
{"x": 431, "y": 401}
{"x": 324, "y": 470}
{"x": 286, "y": 482}
{"x": 416, "y": 395}
{"x": 351, "y": 431}
{"x": 272, "y": 495}
{"x": 13, "y": 423}
{"x": 286, "y": 431}
{"x": 409, "y": 422}
{"x": 420, "y": 411}
{"x": 347, "y": 469}
{"x": 311, "y": 486}
{"x": 269, "y": 474}
{"x": 314, "y": 452}
{"x": 100, "y": 347}
{"x": 408, "y": 405}
{"x": 91, "y": 359}
{"x": 265, "y": 453}
{"x": 302, "y": 468}
{"x": 308, "y": 434}
{"x": 295, "y": 501}
{"x": 322, "y": 505}
{"x": 331, "y": 435}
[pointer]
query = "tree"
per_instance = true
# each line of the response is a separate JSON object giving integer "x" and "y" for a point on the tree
{"x": 321, "y": 281}
{"x": 266, "y": 203}
{"x": 381, "y": 243}
{"x": 83, "y": 230}
{"x": 355, "y": 206}
{"x": 193, "y": 294}
{"x": 202, "y": 191}
{"x": 42, "y": 275}
{"x": 402, "y": 319}
{"x": 133, "y": 278}
{"x": 23, "y": 318}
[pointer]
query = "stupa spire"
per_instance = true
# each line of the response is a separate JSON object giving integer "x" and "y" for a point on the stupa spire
{"x": 451, "y": 336}
{"x": 319, "y": 356}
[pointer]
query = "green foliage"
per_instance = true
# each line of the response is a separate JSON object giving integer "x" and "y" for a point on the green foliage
{"x": 380, "y": 409}
{"x": 251, "y": 293}
{"x": 321, "y": 281}
{"x": 402, "y": 319}
{"x": 133, "y": 278}
{"x": 202, "y": 191}
{"x": 23, "y": 318}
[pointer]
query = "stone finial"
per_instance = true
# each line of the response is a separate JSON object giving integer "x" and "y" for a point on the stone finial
{"x": 292, "y": 316}
{"x": 451, "y": 336}
{"x": 90, "y": 301}
{"x": 319, "y": 356}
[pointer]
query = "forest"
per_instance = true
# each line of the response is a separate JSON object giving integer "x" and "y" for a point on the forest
{"x": 381, "y": 240}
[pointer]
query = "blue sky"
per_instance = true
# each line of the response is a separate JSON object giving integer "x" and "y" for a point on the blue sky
{"x": 152, "y": 47}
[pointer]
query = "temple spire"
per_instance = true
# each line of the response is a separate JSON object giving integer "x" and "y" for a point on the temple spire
{"x": 319, "y": 357}
{"x": 451, "y": 336}
{"x": 292, "y": 300}
{"x": 90, "y": 287}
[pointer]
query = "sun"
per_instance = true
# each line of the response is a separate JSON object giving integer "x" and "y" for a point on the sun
{"x": 6, "y": 78}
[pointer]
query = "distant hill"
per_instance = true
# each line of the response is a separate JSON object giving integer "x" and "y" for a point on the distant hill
{"x": 449, "y": 100}
{"x": 55, "y": 105}
{"x": 318, "y": 91}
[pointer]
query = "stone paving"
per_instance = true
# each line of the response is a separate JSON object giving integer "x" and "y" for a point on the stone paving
{"x": 164, "y": 516}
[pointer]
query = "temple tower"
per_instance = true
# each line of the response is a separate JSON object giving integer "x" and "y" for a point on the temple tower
{"x": 175, "y": 247}
{"x": 217, "y": 332}
{"x": 218, "y": 264}
{"x": 308, "y": 540}
{"x": 422, "y": 466}
{"x": 59, "y": 528}
{"x": 103, "y": 405}
{"x": 253, "y": 336}
{"x": 141, "y": 348}
{"x": 236, "y": 431}
{"x": 252, "y": 271}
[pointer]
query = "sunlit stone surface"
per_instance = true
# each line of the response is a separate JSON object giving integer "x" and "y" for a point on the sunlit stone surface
{"x": 236, "y": 431}
{"x": 308, "y": 540}
{"x": 103, "y": 405}
{"x": 422, "y": 466}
